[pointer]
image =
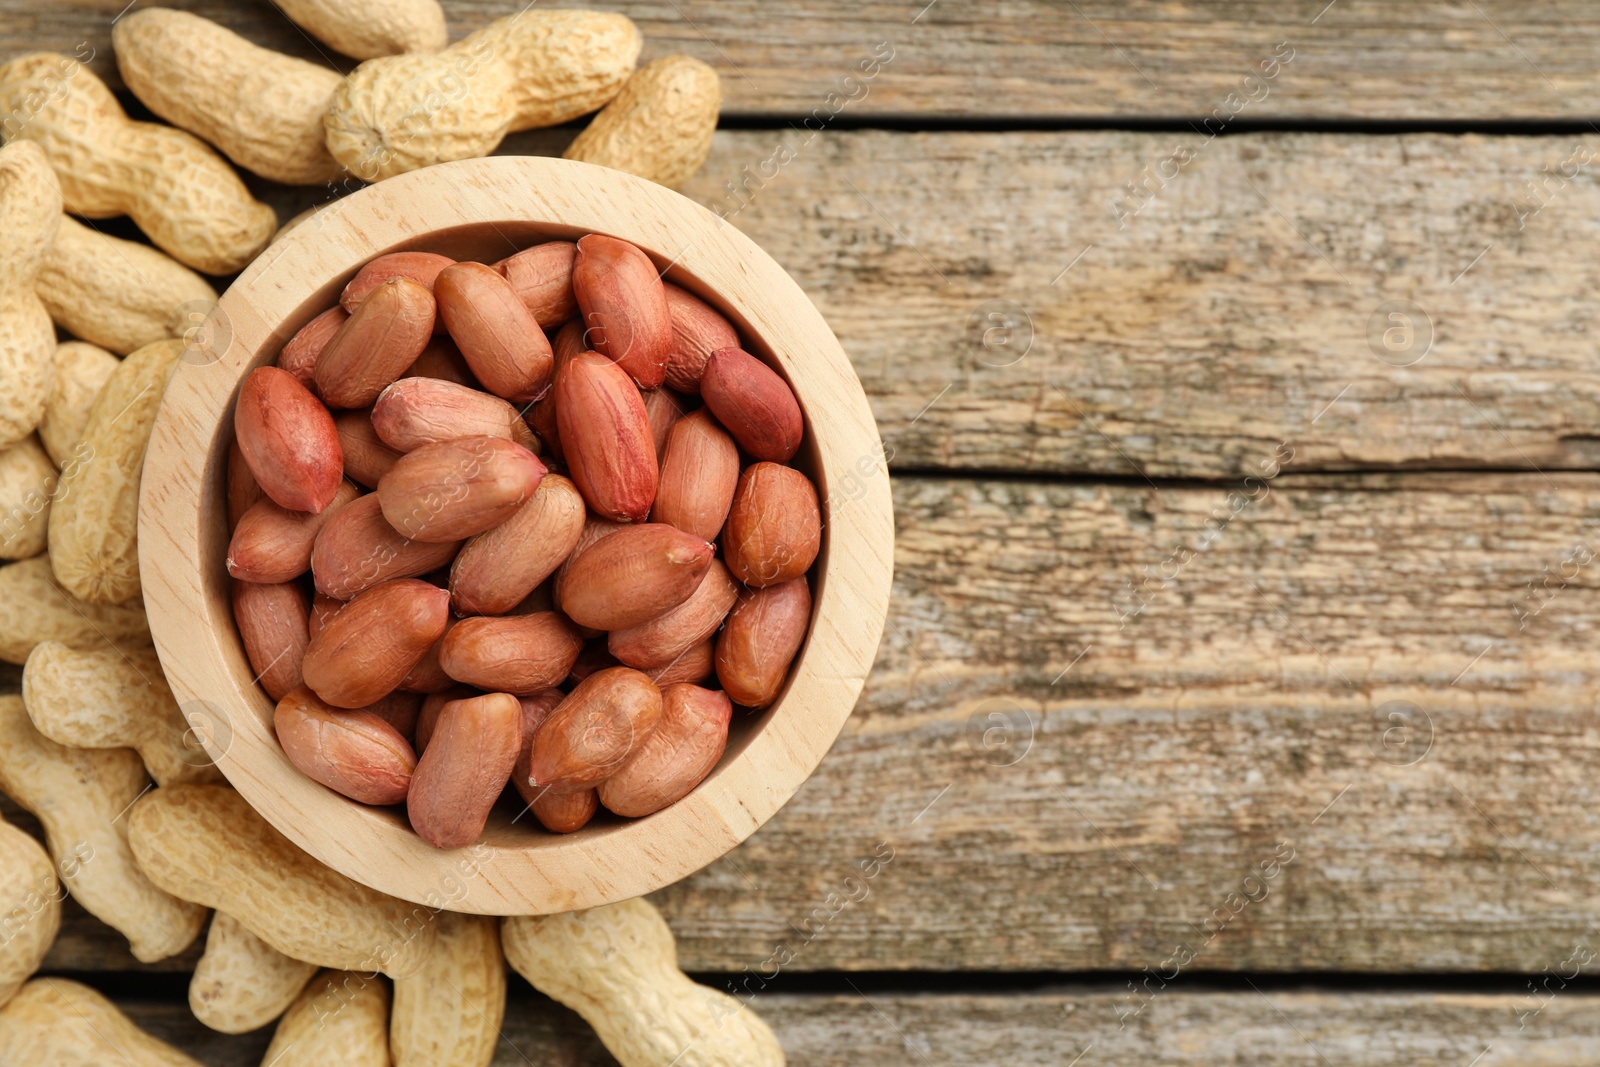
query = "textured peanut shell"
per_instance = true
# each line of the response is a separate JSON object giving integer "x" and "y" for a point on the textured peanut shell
{"x": 617, "y": 966}
{"x": 30, "y": 214}
{"x": 79, "y": 796}
{"x": 34, "y": 608}
{"x": 340, "y": 1018}
{"x": 450, "y": 1011}
{"x": 364, "y": 29}
{"x": 30, "y": 908}
{"x": 207, "y": 844}
{"x": 94, "y": 521}
{"x": 535, "y": 68}
{"x": 79, "y": 371}
{"x": 113, "y": 698}
{"x": 261, "y": 108}
{"x": 242, "y": 983}
{"x": 27, "y": 479}
{"x": 119, "y": 294}
{"x": 659, "y": 126}
{"x": 179, "y": 192}
{"x": 59, "y": 1023}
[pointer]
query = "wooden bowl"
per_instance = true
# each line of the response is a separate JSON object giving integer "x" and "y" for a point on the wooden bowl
{"x": 486, "y": 209}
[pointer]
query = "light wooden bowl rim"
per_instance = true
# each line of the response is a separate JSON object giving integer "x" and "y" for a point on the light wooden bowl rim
{"x": 456, "y": 208}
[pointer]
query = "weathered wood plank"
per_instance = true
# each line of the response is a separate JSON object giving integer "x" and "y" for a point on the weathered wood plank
{"x": 1243, "y": 307}
{"x": 1176, "y": 1029}
{"x": 1231, "y": 314}
{"x": 1044, "y": 59}
{"x": 1263, "y": 694}
{"x": 1062, "y": 762}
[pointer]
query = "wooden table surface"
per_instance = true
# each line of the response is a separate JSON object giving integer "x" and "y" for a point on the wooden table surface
{"x": 1245, "y": 451}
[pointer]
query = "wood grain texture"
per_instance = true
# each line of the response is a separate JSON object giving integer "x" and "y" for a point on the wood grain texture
{"x": 1231, "y": 314}
{"x": 1096, "y": 815}
{"x": 1042, "y": 59}
{"x": 1177, "y": 1029}
{"x": 1117, "y": 802}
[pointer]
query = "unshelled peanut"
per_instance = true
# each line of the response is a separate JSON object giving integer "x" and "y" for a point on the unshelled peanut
{"x": 341, "y": 1018}
{"x": 207, "y": 844}
{"x": 121, "y": 295}
{"x": 94, "y": 522}
{"x": 242, "y": 983}
{"x": 34, "y": 608}
{"x": 261, "y": 108}
{"x": 364, "y": 29}
{"x": 113, "y": 698}
{"x": 180, "y": 193}
{"x": 449, "y": 1012}
{"x": 80, "y": 796}
{"x": 659, "y": 126}
{"x": 30, "y": 908}
{"x": 617, "y": 966}
{"x": 79, "y": 372}
{"x": 534, "y": 68}
{"x": 30, "y": 214}
{"x": 27, "y": 480}
{"x": 59, "y": 1022}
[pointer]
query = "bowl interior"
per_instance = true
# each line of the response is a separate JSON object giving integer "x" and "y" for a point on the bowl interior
{"x": 516, "y": 867}
{"x": 509, "y": 825}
